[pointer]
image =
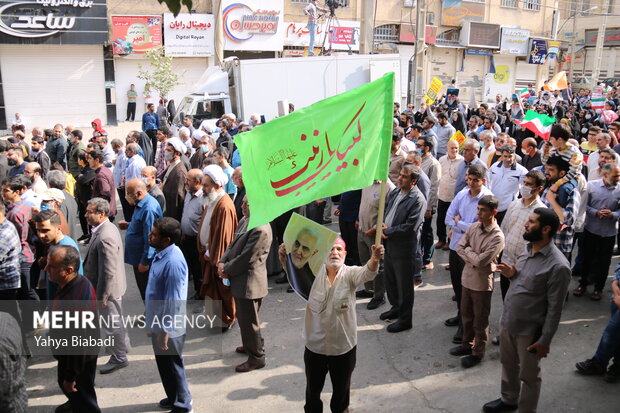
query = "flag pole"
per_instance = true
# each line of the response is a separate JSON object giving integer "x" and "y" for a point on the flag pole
{"x": 380, "y": 213}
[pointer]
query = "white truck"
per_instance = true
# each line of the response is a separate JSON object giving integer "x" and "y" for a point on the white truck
{"x": 245, "y": 87}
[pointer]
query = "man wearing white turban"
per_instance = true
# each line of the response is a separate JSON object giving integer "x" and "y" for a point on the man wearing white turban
{"x": 215, "y": 232}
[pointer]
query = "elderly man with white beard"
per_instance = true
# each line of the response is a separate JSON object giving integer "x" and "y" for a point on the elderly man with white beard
{"x": 215, "y": 232}
{"x": 330, "y": 329}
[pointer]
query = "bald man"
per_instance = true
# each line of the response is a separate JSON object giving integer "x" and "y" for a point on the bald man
{"x": 138, "y": 252}
{"x": 531, "y": 156}
{"x": 192, "y": 212}
{"x": 33, "y": 171}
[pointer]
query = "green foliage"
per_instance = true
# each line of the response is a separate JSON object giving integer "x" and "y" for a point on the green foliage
{"x": 175, "y": 5}
{"x": 160, "y": 77}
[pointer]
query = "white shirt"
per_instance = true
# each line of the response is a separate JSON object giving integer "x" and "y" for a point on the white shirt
{"x": 513, "y": 228}
{"x": 486, "y": 153}
{"x": 407, "y": 145}
{"x": 449, "y": 173}
{"x": 135, "y": 164}
{"x": 330, "y": 326}
{"x": 505, "y": 182}
{"x": 593, "y": 169}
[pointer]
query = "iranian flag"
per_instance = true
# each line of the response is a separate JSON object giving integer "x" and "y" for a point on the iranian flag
{"x": 338, "y": 144}
{"x": 525, "y": 93}
{"x": 538, "y": 123}
{"x": 598, "y": 102}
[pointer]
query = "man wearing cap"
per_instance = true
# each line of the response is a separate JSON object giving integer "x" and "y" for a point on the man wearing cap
{"x": 173, "y": 179}
{"x": 215, "y": 232}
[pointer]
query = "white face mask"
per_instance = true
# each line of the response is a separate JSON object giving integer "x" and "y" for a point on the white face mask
{"x": 168, "y": 156}
{"x": 588, "y": 116}
{"x": 525, "y": 191}
{"x": 584, "y": 130}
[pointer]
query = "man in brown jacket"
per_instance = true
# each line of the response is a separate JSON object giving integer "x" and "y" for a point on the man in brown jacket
{"x": 479, "y": 248}
{"x": 215, "y": 232}
{"x": 244, "y": 263}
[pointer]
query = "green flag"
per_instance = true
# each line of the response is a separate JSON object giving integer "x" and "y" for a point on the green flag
{"x": 336, "y": 145}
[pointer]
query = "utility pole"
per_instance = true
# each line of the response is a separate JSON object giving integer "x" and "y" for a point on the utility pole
{"x": 573, "y": 42}
{"x": 219, "y": 33}
{"x": 367, "y": 29}
{"x": 417, "y": 75}
{"x": 600, "y": 41}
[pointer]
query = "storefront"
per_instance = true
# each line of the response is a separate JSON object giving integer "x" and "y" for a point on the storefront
{"x": 52, "y": 62}
{"x": 187, "y": 37}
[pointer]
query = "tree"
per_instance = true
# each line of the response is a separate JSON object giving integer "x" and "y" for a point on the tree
{"x": 160, "y": 77}
{"x": 175, "y": 5}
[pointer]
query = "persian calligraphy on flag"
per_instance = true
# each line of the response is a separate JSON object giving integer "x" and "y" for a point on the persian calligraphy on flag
{"x": 433, "y": 91}
{"x": 338, "y": 144}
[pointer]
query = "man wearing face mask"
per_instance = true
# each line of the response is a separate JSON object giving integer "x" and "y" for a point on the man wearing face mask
{"x": 173, "y": 178}
{"x": 531, "y": 156}
{"x": 516, "y": 215}
{"x": 202, "y": 143}
{"x": 149, "y": 176}
{"x": 138, "y": 252}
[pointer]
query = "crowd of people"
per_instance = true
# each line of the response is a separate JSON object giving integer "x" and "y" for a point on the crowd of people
{"x": 503, "y": 201}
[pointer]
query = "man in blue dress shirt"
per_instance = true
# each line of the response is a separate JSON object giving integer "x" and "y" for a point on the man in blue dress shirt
{"x": 165, "y": 300}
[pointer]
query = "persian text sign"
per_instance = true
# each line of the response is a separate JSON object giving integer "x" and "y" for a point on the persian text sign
{"x": 136, "y": 34}
{"x": 514, "y": 41}
{"x": 53, "y": 21}
{"x": 253, "y": 25}
{"x": 343, "y": 35}
{"x": 338, "y": 144}
{"x": 188, "y": 34}
{"x": 433, "y": 91}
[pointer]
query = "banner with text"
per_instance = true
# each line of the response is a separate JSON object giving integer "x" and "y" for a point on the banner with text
{"x": 136, "y": 34}
{"x": 342, "y": 35}
{"x": 253, "y": 25}
{"x": 189, "y": 35}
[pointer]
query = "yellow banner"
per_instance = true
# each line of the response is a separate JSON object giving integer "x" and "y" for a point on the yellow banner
{"x": 460, "y": 138}
{"x": 433, "y": 91}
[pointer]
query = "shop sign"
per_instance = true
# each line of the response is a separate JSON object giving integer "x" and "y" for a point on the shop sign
{"x": 514, "y": 41}
{"x": 136, "y": 34}
{"x": 253, "y": 25}
{"x": 53, "y": 22}
{"x": 189, "y": 35}
{"x": 612, "y": 37}
{"x": 341, "y": 35}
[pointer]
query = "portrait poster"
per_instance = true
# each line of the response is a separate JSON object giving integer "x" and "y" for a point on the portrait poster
{"x": 307, "y": 245}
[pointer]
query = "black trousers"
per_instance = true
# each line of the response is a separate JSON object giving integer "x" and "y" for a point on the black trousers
{"x": 595, "y": 252}
{"x": 85, "y": 398}
{"x": 131, "y": 111}
{"x": 82, "y": 217}
{"x": 127, "y": 207}
{"x": 500, "y": 216}
{"x": 456, "y": 271}
{"x": 399, "y": 285}
{"x": 190, "y": 252}
{"x": 442, "y": 208}
{"x": 340, "y": 370}
{"x": 315, "y": 212}
{"x": 349, "y": 235}
{"x": 8, "y": 304}
{"x": 152, "y": 133}
{"x": 142, "y": 278}
{"x": 427, "y": 242}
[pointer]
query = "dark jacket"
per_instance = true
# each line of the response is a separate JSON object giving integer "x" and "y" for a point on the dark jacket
{"x": 103, "y": 187}
{"x": 403, "y": 234}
